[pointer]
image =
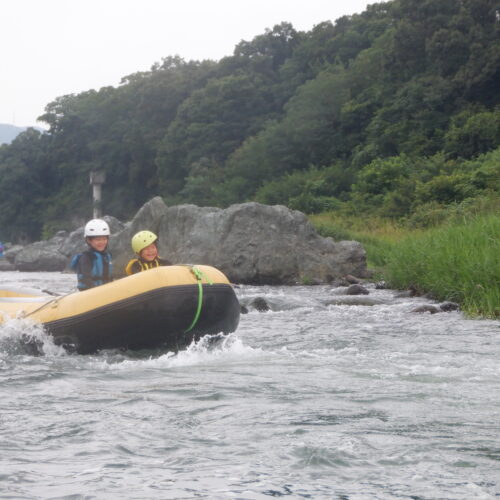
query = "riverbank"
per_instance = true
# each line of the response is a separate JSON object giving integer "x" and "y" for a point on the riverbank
{"x": 457, "y": 260}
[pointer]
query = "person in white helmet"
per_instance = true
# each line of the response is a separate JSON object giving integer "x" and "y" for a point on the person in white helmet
{"x": 94, "y": 266}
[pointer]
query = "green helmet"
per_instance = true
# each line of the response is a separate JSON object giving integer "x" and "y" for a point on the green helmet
{"x": 142, "y": 239}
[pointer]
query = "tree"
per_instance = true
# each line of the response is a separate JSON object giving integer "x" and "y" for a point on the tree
{"x": 25, "y": 180}
{"x": 472, "y": 134}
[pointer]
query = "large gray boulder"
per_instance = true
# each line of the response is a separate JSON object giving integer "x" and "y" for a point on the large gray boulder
{"x": 42, "y": 255}
{"x": 257, "y": 244}
{"x": 249, "y": 242}
{"x": 5, "y": 265}
{"x": 11, "y": 253}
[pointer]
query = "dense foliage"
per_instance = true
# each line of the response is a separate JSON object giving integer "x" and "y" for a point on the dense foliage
{"x": 394, "y": 111}
{"x": 458, "y": 262}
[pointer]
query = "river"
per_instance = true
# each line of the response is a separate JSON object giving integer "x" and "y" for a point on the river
{"x": 307, "y": 400}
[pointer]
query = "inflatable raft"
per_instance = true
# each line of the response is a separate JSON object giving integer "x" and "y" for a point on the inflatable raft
{"x": 166, "y": 307}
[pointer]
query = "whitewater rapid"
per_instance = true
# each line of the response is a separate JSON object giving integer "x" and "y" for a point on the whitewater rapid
{"x": 307, "y": 400}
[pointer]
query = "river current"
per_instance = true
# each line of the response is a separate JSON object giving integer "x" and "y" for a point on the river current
{"x": 307, "y": 400}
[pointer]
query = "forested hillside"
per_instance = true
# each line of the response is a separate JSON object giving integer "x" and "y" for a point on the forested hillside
{"x": 392, "y": 111}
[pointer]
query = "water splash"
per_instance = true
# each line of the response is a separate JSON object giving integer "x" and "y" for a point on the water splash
{"x": 21, "y": 336}
{"x": 211, "y": 349}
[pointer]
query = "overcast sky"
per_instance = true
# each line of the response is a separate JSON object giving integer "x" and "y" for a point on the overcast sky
{"x": 51, "y": 48}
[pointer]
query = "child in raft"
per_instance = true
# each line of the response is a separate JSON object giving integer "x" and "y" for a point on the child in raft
{"x": 94, "y": 266}
{"x": 144, "y": 245}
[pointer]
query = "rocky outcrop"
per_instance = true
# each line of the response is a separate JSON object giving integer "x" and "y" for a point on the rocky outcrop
{"x": 257, "y": 244}
{"x": 5, "y": 265}
{"x": 355, "y": 300}
{"x": 11, "y": 253}
{"x": 250, "y": 242}
{"x": 356, "y": 290}
{"x": 42, "y": 255}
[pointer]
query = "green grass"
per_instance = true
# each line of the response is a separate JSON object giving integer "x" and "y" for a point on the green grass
{"x": 458, "y": 261}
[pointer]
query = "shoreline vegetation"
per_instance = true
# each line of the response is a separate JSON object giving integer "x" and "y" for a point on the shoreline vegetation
{"x": 456, "y": 260}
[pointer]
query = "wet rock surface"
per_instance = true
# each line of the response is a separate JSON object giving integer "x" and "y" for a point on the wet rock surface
{"x": 356, "y": 290}
{"x": 437, "y": 308}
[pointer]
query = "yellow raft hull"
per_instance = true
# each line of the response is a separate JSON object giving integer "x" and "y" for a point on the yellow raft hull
{"x": 167, "y": 307}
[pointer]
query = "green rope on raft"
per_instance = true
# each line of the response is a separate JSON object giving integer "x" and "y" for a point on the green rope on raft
{"x": 199, "y": 276}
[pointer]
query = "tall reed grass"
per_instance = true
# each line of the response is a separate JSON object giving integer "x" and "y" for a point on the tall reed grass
{"x": 458, "y": 261}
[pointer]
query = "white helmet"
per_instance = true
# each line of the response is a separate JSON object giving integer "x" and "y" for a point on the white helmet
{"x": 96, "y": 227}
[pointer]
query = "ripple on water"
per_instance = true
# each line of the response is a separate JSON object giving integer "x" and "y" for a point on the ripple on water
{"x": 306, "y": 400}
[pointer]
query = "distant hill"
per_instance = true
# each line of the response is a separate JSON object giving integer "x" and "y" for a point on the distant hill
{"x": 9, "y": 132}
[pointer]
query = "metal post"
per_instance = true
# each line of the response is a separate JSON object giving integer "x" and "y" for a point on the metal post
{"x": 97, "y": 179}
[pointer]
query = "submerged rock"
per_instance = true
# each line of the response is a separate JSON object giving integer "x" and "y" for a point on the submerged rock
{"x": 426, "y": 308}
{"x": 449, "y": 306}
{"x": 356, "y": 290}
{"x": 433, "y": 309}
{"x": 357, "y": 300}
{"x": 405, "y": 294}
{"x": 260, "y": 304}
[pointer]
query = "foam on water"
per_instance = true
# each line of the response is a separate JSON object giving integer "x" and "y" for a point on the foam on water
{"x": 306, "y": 400}
{"x": 212, "y": 349}
{"x": 22, "y": 336}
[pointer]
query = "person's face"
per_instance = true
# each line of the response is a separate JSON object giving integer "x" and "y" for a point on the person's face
{"x": 98, "y": 243}
{"x": 149, "y": 253}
